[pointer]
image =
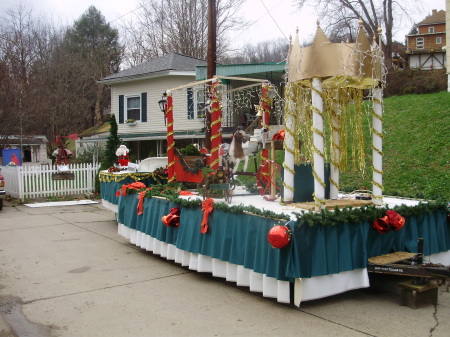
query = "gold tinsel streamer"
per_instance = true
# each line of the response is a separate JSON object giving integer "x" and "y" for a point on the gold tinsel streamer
{"x": 105, "y": 177}
{"x": 319, "y": 202}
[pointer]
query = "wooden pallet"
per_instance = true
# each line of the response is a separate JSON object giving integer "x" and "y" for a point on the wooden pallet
{"x": 386, "y": 259}
{"x": 331, "y": 204}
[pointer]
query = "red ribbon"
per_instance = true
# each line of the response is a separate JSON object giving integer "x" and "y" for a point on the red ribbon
{"x": 137, "y": 185}
{"x": 122, "y": 191}
{"x": 140, "y": 205}
{"x": 207, "y": 208}
{"x": 186, "y": 193}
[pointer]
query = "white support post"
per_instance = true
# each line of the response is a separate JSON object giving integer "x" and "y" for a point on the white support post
{"x": 289, "y": 143}
{"x": 319, "y": 164}
{"x": 377, "y": 146}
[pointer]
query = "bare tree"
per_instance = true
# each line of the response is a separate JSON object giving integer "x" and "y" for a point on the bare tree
{"x": 341, "y": 15}
{"x": 180, "y": 26}
{"x": 269, "y": 51}
{"x": 18, "y": 52}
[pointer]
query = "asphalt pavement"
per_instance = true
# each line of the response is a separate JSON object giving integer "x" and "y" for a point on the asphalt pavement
{"x": 65, "y": 272}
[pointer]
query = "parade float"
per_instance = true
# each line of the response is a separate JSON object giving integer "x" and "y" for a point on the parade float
{"x": 284, "y": 248}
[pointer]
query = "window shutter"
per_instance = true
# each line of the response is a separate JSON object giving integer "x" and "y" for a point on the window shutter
{"x": 144, "y": 107}
{"x": 121, "y": 109}
{"x": 190, "y": 103}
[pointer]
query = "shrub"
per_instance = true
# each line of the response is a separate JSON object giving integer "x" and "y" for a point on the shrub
{"x": 404, "y": 82}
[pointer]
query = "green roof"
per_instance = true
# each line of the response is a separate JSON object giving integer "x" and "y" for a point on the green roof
{"x": 261, "y": 70}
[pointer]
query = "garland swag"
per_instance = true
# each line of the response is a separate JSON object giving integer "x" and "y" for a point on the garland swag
{"x": 323, "y": 218}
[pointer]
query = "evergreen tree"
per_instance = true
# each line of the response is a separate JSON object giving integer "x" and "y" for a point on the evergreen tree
{"x": 112, "y": 145}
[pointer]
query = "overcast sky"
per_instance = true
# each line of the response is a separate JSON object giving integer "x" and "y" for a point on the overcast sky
{"x": 282, "y": 22}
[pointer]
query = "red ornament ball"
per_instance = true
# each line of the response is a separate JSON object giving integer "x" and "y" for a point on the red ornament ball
{"x": 279, "y": 236}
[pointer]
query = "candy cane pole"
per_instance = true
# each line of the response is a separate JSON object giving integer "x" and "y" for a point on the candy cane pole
{"x": 265, "y": 125}
{"x": 216, "y": 125}
{"x": 170, "y": 140}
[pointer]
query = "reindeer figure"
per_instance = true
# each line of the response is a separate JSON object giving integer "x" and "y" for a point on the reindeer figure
{"x": 234, "y": 153}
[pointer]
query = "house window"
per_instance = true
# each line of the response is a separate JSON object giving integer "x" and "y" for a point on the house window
{"x": 430, "y": 29}
{"x": 133, "y": 108}
{"x": 200, "y": 102}
{"x": 439, "y": 40}
{"x": 196, "y": 103}
{"x": 419, "y": 42}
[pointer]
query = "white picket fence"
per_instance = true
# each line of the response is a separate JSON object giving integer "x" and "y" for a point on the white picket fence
{"x": 36, "y": 181}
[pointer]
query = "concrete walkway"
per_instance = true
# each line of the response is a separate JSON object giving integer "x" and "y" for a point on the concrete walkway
{"x": 65, "y": 272}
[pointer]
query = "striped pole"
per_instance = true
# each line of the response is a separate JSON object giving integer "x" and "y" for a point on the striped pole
{"x": 216, "y": 126}
{"x": 377, "y": 146}
{"x": 170, "y": 140}
{"x": 319, "y": 161}
{"x": 265, "y": 125}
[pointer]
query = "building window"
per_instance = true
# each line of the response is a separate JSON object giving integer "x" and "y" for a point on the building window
{"x": 200, "y": 102}
{"x": 133, "y": 108}
{"x": 439, "y": 40}
{"x": 430, "y": 29}
{"x": 419, "y": 42}
{"x": 196, "y": 103}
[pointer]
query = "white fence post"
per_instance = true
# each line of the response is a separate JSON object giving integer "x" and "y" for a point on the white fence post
{"x": 36, "y": 181}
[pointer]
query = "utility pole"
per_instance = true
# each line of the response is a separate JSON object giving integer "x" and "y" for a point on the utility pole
{"x": 211, "y": 60}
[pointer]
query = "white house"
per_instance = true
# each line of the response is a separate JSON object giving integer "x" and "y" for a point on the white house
{"x": 135, "y": 93}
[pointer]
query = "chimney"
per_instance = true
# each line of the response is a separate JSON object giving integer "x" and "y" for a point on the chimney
{"x": 434, "y": 11}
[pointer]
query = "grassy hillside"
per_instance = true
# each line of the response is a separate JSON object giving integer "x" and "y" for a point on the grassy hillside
{"x": 416, "y": 148}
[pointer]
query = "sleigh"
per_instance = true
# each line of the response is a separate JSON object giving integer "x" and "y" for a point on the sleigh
{"x": 188, "y": 168}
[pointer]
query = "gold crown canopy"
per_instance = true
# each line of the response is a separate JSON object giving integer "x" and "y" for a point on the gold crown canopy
{"x": 358, "y": 62}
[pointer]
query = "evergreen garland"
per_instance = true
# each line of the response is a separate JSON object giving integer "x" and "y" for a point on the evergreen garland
{"x": 323, "y": 218}
{"x": 191, "y": 169}
{"x": 366, "y": 213}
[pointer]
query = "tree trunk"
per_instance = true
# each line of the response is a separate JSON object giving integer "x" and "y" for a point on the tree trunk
{"x": 98, "y": 104}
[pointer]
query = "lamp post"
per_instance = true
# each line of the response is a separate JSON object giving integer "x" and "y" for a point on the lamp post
{"x": 163, "y": 105}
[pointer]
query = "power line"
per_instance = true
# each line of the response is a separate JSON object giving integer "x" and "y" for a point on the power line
{"x": 242, "y": 32}
{"x": 134, "y": 10}
{"x": 268, "y": 12}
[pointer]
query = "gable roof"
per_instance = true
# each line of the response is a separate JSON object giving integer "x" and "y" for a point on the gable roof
{"x": 158, "y": 66}
{"x": 436, "y": 17}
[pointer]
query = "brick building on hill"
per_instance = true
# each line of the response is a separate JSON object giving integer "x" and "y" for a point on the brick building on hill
{"x": 425, "y": 49}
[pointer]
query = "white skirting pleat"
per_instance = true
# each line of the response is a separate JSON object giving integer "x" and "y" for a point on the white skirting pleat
{"x": 110, "y": 206}
{"x": 328, "y": 285}
{"x": 268, "y": 286}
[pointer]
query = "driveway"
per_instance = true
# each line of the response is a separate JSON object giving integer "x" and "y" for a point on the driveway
{"x": 64, "y": 271}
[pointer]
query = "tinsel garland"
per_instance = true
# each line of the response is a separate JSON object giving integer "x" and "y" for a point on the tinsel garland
{"x": 136, "y": 176}
{"x": 350, "y": 116}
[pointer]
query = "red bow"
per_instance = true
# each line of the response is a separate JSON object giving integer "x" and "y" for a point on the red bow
{"x": 137, "y": 185}
{"x": 207, "y": 208}
{"x": 140, "y": 205}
